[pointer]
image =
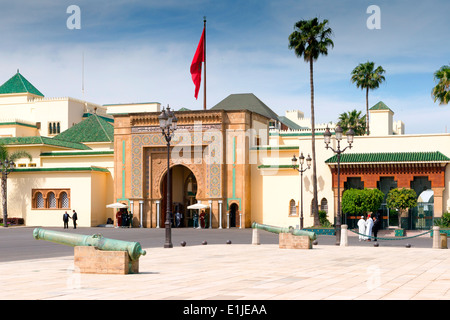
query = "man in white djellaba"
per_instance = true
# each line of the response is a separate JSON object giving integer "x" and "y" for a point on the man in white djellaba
{"x": 362, "y": 228}
{"x": 369, "y": 225}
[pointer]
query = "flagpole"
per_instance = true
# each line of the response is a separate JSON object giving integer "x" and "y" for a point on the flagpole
{"x": 204, "y": 66}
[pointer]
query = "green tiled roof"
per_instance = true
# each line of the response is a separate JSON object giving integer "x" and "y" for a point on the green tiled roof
{"x": 76, "y": 153}
{"x": 281, "y": 166}
{"x": 88, "y": 114}
{"x": 297, "y": 134}
{"x": 380, "y": 106}
{"x": 62, "y": 169}
{"x": 275, "y": 148}
{"x": 18, "y": 84}
{"x": 37, "y": 140}
{"x": 91, "y": 129}
{"x": 389, "y": 157}
{"x": 245, "y": 101}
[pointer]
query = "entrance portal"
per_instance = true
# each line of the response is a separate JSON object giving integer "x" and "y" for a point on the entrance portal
{"x": 234, "y": 213}
{"x": 184, "y": 191}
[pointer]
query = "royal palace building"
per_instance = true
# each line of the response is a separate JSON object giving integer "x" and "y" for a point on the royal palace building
{"x": 234, "y": 158}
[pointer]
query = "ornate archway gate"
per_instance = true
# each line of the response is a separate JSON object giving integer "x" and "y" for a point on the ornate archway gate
{"x": 213, "y": 144}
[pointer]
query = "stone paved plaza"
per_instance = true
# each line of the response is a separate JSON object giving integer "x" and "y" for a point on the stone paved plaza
{"x": 243, "y": 272}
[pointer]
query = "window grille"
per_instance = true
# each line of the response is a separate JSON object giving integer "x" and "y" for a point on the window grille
{"x": 39, "y": 200}
{"x": 64, "y": 200}
{"x": 292, "y": 208}
{"x": 51, "y": 200}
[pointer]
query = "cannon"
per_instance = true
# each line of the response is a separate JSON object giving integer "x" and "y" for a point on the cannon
{"x": 134, "y": 249}
{"x": 274, "y": 229}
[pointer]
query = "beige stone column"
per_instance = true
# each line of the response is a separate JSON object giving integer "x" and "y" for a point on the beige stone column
{"x": 158, "y": 213}
{"x": 344, "y": 235}
{"x": 436, "y": 238}
{"x": 438, "y": 201}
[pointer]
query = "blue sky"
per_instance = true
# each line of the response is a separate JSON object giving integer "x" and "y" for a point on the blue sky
{"x": 141, "y": 51}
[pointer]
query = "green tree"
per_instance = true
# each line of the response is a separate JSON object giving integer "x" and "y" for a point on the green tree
{"x": 352, "y": 202}
{"x": 352, "y": 119}
{"x": 5, "y": 162}
{"x": 367, "y": 77}
{"x": 441, "y": 92}
{"x": 401, "y": 200}
{"x": 360, "y": 202}
{"x": 311, "y": 39}
{"x": 373, "y": 199}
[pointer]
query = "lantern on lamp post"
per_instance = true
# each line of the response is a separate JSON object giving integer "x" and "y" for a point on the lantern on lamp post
{"x": 168, "y": 124}
{"x": 301, "y": 170}
{"x": 327, "y": 139}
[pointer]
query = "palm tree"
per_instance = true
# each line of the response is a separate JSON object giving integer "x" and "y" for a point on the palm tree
{"x": 6, "y": 163}
{"x": 441, "y": 92}
{"x": 310, "y": 39}
{"x": 367, "y": 77}
{"x": 352, "y": 119}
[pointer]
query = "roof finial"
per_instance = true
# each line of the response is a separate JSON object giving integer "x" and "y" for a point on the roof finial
{"x": 17, "y": 70}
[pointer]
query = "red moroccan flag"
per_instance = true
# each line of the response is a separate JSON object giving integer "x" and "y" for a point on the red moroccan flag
{"x": 196, "y": 65}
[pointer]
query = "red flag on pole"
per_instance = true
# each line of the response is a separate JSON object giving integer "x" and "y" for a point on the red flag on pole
{"x": 196, "y": 65}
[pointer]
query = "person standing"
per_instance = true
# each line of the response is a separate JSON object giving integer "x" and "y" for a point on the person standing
{"x": 66, "y": 220}
{"x": 369, "y": 226}
{"x": 362, "y": 228}
{"x": 202, "y": 219}
{"x": 195, "y": 222}
{"x": 119, "y": 218}
{"x": 178, "y": 217}
{"x": 74, "y": 218}
{"x": 376, "y": 227}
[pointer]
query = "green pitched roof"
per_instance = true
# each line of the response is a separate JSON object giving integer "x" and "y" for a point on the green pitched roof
{"x": 290, "y": 124}
{"x": 18, "y": 84}
{"x": 390, "y": 157}
{"x": 91, "y": 129}
{"x": 380, "y": 106}
{"x": 38, "y": 140}
{"x": 245, "y": 101}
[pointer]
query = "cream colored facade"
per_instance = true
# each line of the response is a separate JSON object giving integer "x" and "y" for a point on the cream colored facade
{"x": 272, "y": 200}
{"x": 71, "y": 165}
{"x": 32, "y": 115}
{"x": 275, "y": 183}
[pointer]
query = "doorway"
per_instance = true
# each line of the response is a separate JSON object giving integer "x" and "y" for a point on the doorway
{"x": 184, "y": 191}
{"x": 234, "y": 214}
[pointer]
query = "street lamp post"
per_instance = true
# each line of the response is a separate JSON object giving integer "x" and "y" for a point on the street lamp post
{"x": 327, "y": 137}
{"x": 6, "y": 167}
{"x": 168, "y": 124}
{"x": 301, "y": 170}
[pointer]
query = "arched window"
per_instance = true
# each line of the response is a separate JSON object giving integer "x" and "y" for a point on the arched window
{"x": 64, "y": 200}
{"x": 39, "y": 200}
{"x": 292, "y": 208}
{"x": 324, "y": 205}
{"x": 51, "y": 200}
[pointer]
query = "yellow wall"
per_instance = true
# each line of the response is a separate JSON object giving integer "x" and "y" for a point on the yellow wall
{"x": 89, "y": 193}
{"x": 275, "y": 187}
